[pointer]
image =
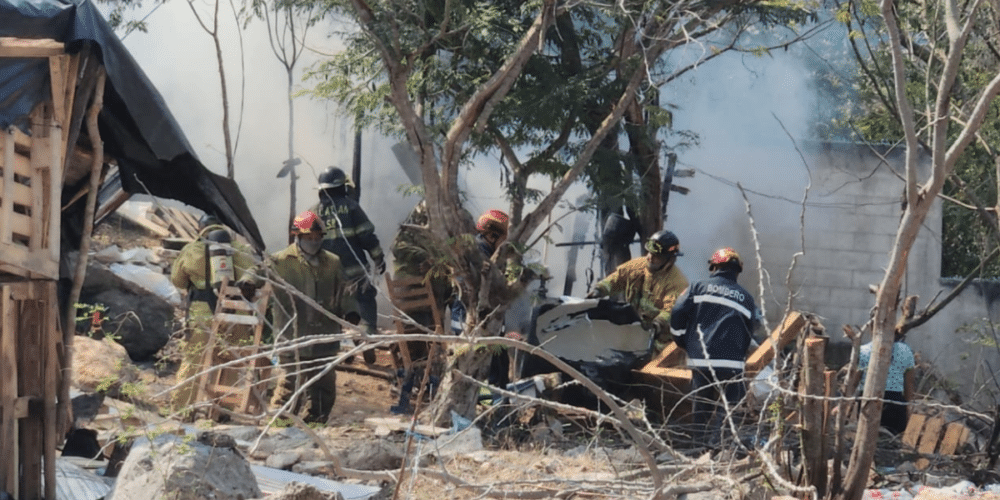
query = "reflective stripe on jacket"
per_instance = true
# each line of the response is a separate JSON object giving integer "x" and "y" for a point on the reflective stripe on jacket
{"x": 713, "y": 321}
{"x": 349, "y": 234}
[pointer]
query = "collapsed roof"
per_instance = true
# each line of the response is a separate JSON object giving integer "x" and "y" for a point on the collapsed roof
{"x": 139, "y": 133}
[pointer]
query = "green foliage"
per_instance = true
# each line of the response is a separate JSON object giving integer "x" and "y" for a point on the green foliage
{"x": 965, "y": 237}
{"x": 449, "y": 49}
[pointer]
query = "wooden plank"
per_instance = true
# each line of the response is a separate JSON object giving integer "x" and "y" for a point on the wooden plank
{"x": 6, "y": 206}
{"x": 929, "y": 440}
{"x": 813, "y": 433}
{"x": 953, "y": 438}
{"x": 22, "y": 163}
{"x": 57, "y": 78}
{"x": 779, "y": 338}
{"x": 52, "y": 339}
{"x": 18, "y": 260}
{"x": 27, "y": 47}
{"x": 52, "y": 181}
{"x": 72, "y": 69}
{"x": 41, "y": 155}
{"x": 670, "y": 356}
{"x": 31, "y": 384}
{"x": 913, "y": 429}
{"x": 8, "y": 393}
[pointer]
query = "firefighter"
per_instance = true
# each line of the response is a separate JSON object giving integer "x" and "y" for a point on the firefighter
{"x": 415, "y": 255}
{"x": 198, "y": 270}
{"x": 317, "y": 274}
{"x": 349, "y": 234}
{"x": 713, "y": 321}
{"x": 650, "y": 283}
{"x": 491, "y": 231}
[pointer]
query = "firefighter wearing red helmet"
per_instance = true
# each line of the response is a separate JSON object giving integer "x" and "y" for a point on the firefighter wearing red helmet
{"x": 317, "y": 274}
{"x": 713, "y": 321}
{"x": 650, "y": 283}
{"x": 492, "y": 228}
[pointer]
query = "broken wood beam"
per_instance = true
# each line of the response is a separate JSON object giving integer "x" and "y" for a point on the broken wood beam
{"x": 779, "y": 338}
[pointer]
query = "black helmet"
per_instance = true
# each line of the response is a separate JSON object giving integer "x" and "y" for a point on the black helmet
{"x": 219, "y": 236}
{"x": 208, "y": 220}
{"x": 664, "y": 243}
{"x": 332, "y": 177}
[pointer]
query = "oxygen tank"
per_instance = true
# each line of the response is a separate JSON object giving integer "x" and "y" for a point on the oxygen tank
{"x": 220, "y": 257}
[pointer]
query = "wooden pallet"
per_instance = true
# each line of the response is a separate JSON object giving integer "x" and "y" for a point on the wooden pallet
{"x": 29, "y": 371}
{"x": 664, "y": 380}
{"x": 931, "y": 435}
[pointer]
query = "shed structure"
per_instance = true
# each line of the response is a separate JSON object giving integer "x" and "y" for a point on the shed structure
{"x": 75, "y": 111}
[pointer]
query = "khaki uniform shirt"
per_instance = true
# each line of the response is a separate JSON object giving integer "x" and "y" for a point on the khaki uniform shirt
{"x": 652, "y": 294}
{"x": 323, "y": 283}
{"x": 188, "y": 271}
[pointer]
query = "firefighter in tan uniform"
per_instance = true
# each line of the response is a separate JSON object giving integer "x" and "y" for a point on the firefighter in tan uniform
{"x": 650, "y": 283}
{"x": 317, "y": 274}
{"x": 198, "y": 270}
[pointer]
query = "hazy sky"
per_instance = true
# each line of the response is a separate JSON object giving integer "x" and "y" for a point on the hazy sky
{"x": 734, "y": 104}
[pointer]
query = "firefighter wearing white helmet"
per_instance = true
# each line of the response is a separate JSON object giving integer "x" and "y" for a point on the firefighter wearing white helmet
{"x": 650, "y": 283}
{"x": 713, "y": 321}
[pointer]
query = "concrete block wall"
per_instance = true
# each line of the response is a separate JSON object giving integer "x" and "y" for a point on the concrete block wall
{"x": 850, "y": 226}
{"x": 850, "y": 222}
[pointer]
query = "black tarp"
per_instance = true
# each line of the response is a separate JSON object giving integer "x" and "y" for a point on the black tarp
{"x": 139, "y": 132}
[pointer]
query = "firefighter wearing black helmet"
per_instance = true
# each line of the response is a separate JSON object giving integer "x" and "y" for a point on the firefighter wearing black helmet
{"x": 650, "y": 283}
{"x": 197, "y": 272}
{"x": 349, "y": 234}
{"x": 713, "y": 321}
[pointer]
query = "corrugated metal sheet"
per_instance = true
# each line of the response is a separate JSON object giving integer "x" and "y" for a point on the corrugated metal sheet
{"x": 273, "y": 480}
{"x": 76, "y": 483}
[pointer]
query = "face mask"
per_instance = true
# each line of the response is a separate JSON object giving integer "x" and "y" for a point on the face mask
{"x": 310, "y": 247}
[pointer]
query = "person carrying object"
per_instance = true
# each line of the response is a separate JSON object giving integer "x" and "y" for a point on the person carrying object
{"x": 651, "y": 284}
{"x": 198, "y": 271}
{"x": 713, "y": 321}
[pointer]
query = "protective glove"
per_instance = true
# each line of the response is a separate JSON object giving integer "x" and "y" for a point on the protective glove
{"x": 596, "y": 293}
{"x": 380, "y": 267}
{"x": 248, "y": 289}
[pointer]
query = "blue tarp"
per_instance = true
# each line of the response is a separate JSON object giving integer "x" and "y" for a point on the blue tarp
{"x": 138, "y": 130}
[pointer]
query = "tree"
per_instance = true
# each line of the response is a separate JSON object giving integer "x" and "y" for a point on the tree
{"x": 461, "y": 77}
{"x": 287, "y": 23}
{"x": 924, "y": 48}
{"x": 213, "y": 31}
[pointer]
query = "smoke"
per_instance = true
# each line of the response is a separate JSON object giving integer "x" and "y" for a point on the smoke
{"x": 747, "y": 111}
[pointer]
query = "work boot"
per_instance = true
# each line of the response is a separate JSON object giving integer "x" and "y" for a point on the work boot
{"x": 370, "y": 356}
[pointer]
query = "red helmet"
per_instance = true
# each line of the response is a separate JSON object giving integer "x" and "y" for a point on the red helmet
{"x": 307, "y": 222}
{"x": 493, "y": 221}
{"x": 725, "y": 256}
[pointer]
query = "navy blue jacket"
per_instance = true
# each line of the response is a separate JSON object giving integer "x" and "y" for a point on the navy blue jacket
{"x": 713, "y": 320}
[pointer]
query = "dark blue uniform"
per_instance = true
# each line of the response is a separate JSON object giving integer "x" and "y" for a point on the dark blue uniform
{"x": 713, "y": 321}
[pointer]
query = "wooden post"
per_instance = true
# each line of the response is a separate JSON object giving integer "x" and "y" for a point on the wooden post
{"x": 49, "y": 315}
{"x": 8, "y": 393}
{"x": 30, "y": 384}
{"x": 813, "y": 416}
{"x": 88, "y": 219}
